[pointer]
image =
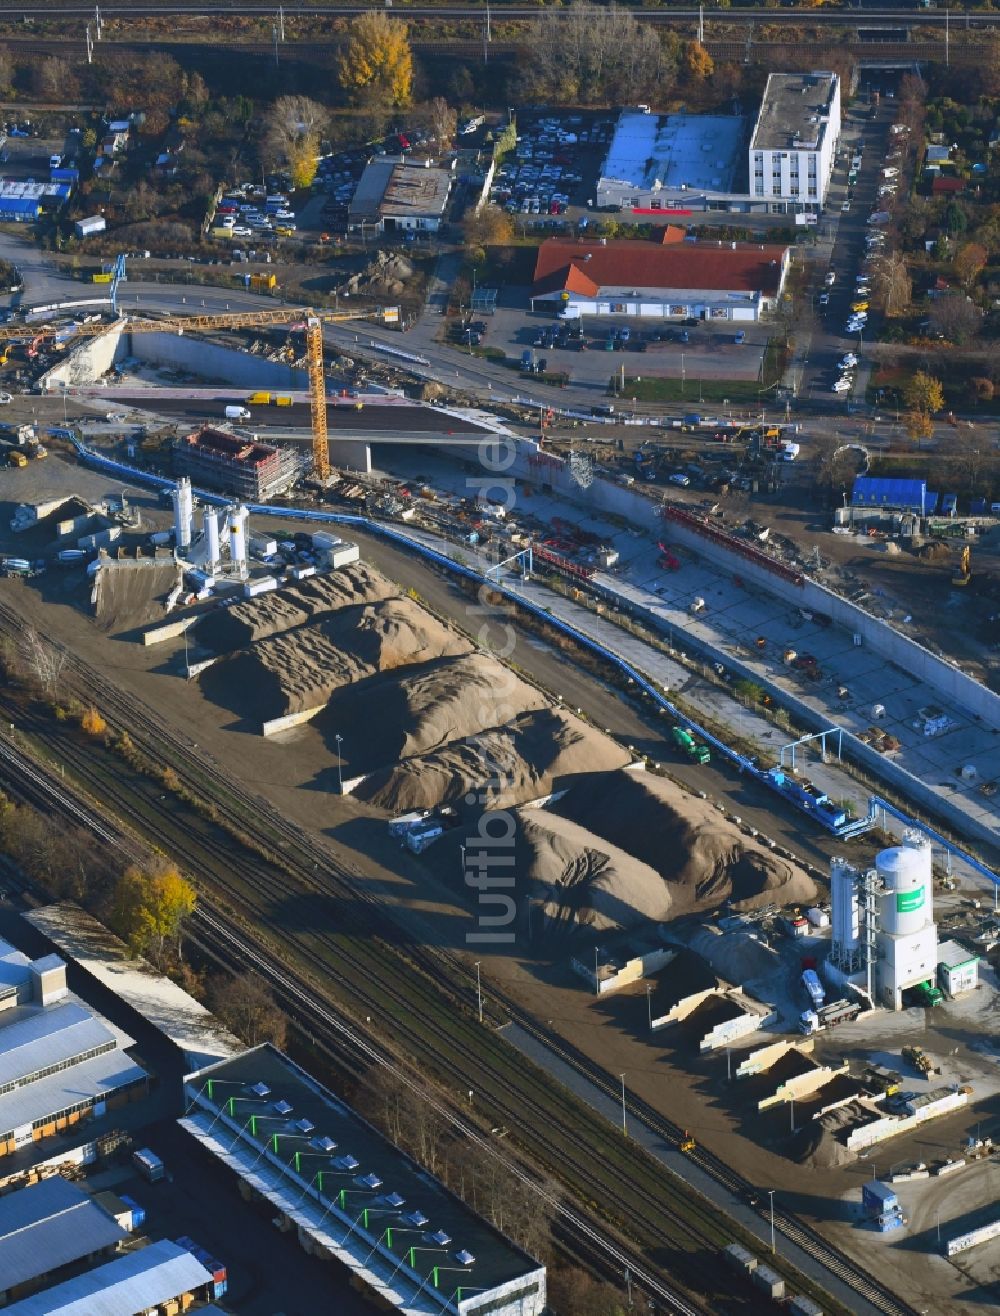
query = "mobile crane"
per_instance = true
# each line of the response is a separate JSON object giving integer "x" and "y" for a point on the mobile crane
{"x": 311, "y": 320}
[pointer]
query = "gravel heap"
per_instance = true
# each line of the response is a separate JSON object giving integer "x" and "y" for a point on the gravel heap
{"x": 533, "y": 755}
{"x": 251, "y": 620}
{"x": 391, "y": 718}
{"x": 299, "y": 669}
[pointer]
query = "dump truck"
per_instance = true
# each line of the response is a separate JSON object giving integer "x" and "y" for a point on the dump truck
{"x": 927, "y": 994}
{"x": 15, "y": 458}
{"x": 828, "y": 1016}
{"x": 685, "y": 741}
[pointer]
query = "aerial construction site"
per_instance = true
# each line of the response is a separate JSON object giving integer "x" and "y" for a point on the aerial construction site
{"x": 524, "y": 734}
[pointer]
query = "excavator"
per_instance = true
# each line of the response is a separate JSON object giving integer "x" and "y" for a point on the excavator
{"x": 301, "y": 317}
{"x": 688, "y": 1143}
{"x": 964, "y": 573}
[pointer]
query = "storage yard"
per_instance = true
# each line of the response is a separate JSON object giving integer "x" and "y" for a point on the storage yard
{"x": 396, "y": 692}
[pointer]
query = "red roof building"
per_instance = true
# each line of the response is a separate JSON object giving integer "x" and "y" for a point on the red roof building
{"x": 716, "y": 281}
{"x": 947, "y": 185}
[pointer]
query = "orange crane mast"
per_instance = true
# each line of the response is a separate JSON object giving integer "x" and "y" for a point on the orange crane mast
{"x": 313, "y": 321}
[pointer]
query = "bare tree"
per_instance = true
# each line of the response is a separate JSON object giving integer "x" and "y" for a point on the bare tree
{"x": 955, "y": 316}
{"x": 893, "y": 284}
{"x": 245, "y": 1005}
{"x": 290, "y": 121}
{"x": 44, "y": 663}
{"x": 596, "y": 54}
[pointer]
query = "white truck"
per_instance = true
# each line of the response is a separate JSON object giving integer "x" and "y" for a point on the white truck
{"x": 828, "y": 1016}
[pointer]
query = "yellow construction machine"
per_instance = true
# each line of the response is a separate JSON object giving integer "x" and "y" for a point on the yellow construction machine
{"x": 964, "y": 573}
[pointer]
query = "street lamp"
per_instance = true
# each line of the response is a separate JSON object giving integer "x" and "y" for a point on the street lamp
{"x": 770, "y": 1193}
{"x": 479, "y": 992}
{"x": 624, "y": 1112}
{"x": 649, "y": 1004}
{"x": 340, "y": 765}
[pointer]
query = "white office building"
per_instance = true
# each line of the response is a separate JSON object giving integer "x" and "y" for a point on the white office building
{"x": 794, "y": 144}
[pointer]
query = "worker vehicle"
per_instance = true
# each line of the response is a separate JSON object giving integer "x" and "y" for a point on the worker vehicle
{"x": 812, "y": 984}
{"x": 918, "y": 1058}
{"x": 688, "y": 1143}
{"x": 5, "y": 399}
{"x": 858, "y": 307}
{"x": 685, "y": 741}
{"x": 237, "y": 413}
{"x": 828, "y": 1016}
{"x": 964, "y": 573}
{"x": 927, "y": 994}
{"x": 258, "y": 399}
{"x": 15, "y": 458}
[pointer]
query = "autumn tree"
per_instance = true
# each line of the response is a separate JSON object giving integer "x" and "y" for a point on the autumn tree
{"x": 293, "y": 127}
{"x": 923, "y": 393}
{"x": 698, "y": 63}
{"x": 92, "y": 722}
{"x": 442, "y": 120}
{"x": 488, "y": 227}
{"x": 6, "y": 71}
{"x": 918, "y": 425}
{"x": 245, "y": 1005}
{"x": 149, "y": 909}
{"x": 376, "y": 61}
{"x": 970, "y": 261}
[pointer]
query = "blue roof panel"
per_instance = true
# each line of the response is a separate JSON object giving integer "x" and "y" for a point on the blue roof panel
{"x": 871, "y": 492}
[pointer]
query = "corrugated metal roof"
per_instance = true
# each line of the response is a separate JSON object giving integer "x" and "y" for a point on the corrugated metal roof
{"x": 47, "y": 1037}
{"x": 48, "y": 1226}
{"x": 89, "y": 1081}
{"x": 871, "y": 492}
{"x": 128, "y": 1284}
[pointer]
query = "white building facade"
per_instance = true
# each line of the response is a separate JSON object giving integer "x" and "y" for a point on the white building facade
{"x": 794, "y": 143}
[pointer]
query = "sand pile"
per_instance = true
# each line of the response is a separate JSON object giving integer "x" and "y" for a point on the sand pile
{"x": 579, "y": 882}
{"x": 533, "y": 755}
{"x": 131, "y": 594}
{"x": 736, "y": 954}
{"x": 388, "y": 719}
{"x": 300, "y": 669}
{"x": 284, "y": 609}
{"x": 704, "y": 858}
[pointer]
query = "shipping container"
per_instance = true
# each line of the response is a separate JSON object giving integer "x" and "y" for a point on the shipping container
{"x": 262, "y": 586}
{"x": 149, "y": 1165}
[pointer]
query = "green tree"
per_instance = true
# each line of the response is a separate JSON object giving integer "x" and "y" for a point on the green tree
{"x": 923, "y": 393}
{"x": 955, "y": 219}
{"x": 377, "y": 61}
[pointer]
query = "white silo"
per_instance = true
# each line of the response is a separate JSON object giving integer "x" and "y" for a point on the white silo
{"x": 907, "y": 934}
{"x": 238, "y": 518}
{"x": 183, "y": 512}
{"x": 213, "y": 554}
{"x": 846, "y": 910}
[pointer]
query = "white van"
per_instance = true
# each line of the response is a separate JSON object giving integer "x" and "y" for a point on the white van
{"x": 237, "y": 413}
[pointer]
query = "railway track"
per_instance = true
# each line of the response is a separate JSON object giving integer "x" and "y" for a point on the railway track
{"x": 368, "y": 992}
{"x": 848, "y": 15}
{"x": 213, "y": 931}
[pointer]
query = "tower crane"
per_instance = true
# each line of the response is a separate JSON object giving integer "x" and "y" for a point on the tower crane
{"x": 311, "y": 320}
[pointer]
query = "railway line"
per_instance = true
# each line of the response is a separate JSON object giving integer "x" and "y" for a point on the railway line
{"x": 351, "y": 964}
{"x": 265, "y": 9}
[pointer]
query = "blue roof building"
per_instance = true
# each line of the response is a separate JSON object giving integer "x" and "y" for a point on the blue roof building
{"x": 893, "y": 495}
{"x": 139, "y": 1281}
{"x": 47, "y": 1227}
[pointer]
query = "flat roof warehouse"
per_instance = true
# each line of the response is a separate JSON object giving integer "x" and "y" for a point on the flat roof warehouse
{"x": 355, "y": 1194}
{"x": 675, "y": 152}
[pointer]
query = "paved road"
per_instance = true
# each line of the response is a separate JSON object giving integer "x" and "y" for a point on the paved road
{"x": 684, "y": 1168}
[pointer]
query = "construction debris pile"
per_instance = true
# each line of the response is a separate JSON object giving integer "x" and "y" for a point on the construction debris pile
{"x": 385, "y": 275}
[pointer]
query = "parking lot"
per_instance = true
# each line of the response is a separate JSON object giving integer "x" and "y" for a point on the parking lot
{"x": 591, "y": 349}
{"x": 553, "y": 166}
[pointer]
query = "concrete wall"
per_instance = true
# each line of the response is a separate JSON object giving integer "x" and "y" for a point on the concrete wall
{"x": 631, "y": 971}
{"x": 881, "y": 1129}
{"x": 733, "y": 1029}
{"x": 802, "y": 1085}
{"x": 214, "y": 362}
{"x": 766, "y": 1056}
{"x": 85, "y": 363}
{"x": 606, "y": 497}
{"x": 682, "y": 1009}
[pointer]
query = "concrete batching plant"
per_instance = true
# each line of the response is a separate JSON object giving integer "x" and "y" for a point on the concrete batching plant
{"x": 907, "y": 938}
{"x": 883, "y": 927}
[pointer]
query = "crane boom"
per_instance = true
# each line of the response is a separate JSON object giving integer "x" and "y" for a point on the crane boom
{"x": 312, "y": 320}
